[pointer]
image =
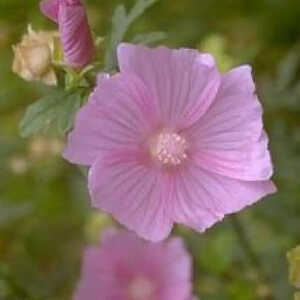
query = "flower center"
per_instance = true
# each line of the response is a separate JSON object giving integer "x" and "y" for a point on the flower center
{"x": 141, "y": 289}
{"x": 169, "y": 148}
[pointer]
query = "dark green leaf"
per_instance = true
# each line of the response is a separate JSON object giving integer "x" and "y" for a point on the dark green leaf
{"x": 72, "y": 104}
{"x": 119, "y": 28}
{"x": 139, "y": 8}
{"x": 58, "y": 108}
{"x": 121, "y": 22}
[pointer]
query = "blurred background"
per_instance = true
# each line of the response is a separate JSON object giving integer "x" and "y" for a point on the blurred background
{"x": 45, "y": 216}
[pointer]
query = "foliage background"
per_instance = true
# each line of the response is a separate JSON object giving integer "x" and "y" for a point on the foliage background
{"x": 45, "y": 217}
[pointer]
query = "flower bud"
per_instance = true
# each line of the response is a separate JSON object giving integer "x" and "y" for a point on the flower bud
{"x": 33, "y": 57}
{"x": 75, "y": 34}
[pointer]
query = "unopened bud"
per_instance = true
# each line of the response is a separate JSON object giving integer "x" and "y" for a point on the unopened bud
{"x": 75, "y": 34}
{"x": 33, "y": 57}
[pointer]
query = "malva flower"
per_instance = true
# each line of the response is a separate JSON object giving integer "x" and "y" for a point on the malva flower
{"x": 125, "y": 267}
{"x": 171, "y": 140}
{"x": 75, "y": 34}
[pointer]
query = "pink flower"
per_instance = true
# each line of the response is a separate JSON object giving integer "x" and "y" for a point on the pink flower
{"x": 74, "y": 30}
{"x": 127, "y": 268}
{"x": 169, "y": 139}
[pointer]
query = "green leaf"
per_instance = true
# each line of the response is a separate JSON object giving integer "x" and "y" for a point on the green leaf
{"x": 287, "y": 70}
{"x": 119, "y": 28}
{"x": 149, "y": 38}
{"x": 121, "y": 22}
{"x": 72, "y": 105}
{"x": 57, "y": 109}
{"x": 139, "y": 8}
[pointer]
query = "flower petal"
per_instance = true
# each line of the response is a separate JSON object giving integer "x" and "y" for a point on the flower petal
{"x": 50, "y": 9}
{"x": 108, "y": 270}
{"x": 202, "y": 198}
{"x": 133, "y": 192}
{"x": 229, "y": 139}
{"x": 75, "y": 34}
{"x": 97, "y": 277}
{"x": 183, "y": 82}
{"x": 117, "y": 116}
{"x": 176, "y": 271}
